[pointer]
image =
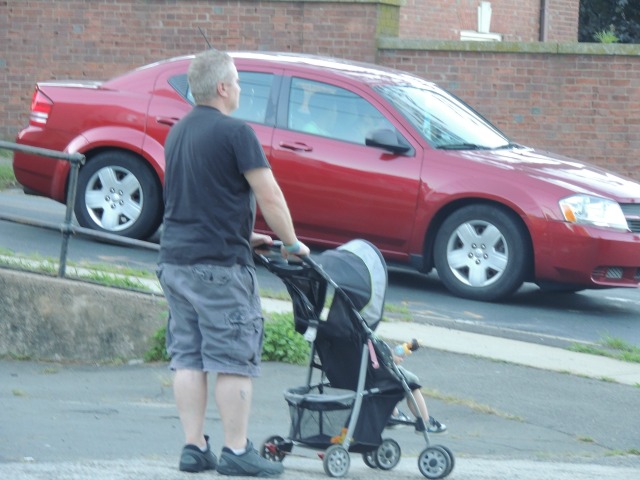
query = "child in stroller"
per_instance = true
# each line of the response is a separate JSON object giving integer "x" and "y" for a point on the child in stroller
{"x": 347, "y": 409}
{"x": 399, "y": 418}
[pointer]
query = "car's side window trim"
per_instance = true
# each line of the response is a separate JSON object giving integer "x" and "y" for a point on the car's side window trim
{"x": 181, "y": 85}
{"x": 272, "y": 104}
{"x": 283, "y": 102}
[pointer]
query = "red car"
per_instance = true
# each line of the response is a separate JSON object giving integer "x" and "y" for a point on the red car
{"x": 360, "y": 152}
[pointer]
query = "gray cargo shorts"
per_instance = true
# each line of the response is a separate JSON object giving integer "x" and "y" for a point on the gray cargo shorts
{"x": 215, "y": 318}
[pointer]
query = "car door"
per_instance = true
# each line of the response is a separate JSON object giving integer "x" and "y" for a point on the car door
{"x": 338, "y": 188}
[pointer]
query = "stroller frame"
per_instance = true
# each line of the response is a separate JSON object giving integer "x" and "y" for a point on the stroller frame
{"x": 436, "y": 461}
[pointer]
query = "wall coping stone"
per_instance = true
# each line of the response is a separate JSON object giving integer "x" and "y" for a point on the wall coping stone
{"x": 397, "y": 3}
{"x": 572, "y": 48}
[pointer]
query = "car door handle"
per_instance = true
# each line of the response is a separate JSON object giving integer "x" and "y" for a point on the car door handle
{"x": 296, "y": 146}
{"x": 167, "y": 120}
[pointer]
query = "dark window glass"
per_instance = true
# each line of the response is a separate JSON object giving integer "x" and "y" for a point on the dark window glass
{"x": 330, "y": 111}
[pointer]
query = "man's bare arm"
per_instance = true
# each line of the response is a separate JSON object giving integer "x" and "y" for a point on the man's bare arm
{"x": 273, "y": 206}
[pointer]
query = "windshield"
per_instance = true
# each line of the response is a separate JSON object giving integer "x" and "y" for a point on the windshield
{"x": 443, "y": 120}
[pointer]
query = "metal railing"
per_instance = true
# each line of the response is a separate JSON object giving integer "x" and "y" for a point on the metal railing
{"x": 67, "y": 228}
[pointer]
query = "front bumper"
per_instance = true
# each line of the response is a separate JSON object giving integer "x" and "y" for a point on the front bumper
{"x": 587, "y": 256}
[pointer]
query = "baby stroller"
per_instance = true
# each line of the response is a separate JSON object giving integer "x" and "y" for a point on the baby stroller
{"x": 347, "y": 408}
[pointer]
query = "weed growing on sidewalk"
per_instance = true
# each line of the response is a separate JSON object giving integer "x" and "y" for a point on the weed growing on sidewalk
{"x": 472, "y": 404}
{"x": 157, "y": 351}
{"x": 281, "y": 342}
{"x": 611, "y": 347}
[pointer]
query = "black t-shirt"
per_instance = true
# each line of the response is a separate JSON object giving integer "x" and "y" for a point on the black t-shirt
{"x": 209, "y": 206}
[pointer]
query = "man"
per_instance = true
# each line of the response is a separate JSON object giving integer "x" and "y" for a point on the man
{"x": 215, "y": 172}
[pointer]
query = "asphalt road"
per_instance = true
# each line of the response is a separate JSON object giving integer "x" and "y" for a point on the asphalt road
{"x": 504, "y": 422}
{"x": 530, "y": 314}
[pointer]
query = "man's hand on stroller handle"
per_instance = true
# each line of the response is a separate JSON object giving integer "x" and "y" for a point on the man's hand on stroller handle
{"x": 297, "y": 249}
{"x": 261, "y": 243}
{"x": 264, "y": 244}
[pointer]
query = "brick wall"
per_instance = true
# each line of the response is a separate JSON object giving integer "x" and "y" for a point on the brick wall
{"x": 579, "y": 104}
{"x": 583, "y": 105}
{"x": 516, "y": 20}
{"x": 562, "y": 20}
{"x": 97, "y": 39}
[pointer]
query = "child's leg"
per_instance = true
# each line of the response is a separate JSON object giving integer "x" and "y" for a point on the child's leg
{"x": 422, "y": 405}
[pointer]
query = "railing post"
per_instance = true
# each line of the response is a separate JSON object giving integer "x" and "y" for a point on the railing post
{"x": 67, "y": 228}
{"x": 76, "y": 159}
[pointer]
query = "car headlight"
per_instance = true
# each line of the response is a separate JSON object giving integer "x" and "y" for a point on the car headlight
{"x": 597, "y": 211}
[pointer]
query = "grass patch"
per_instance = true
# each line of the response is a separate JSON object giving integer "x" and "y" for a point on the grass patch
{"x": 472, "y": 404}
{"x": 610, "y": 347}
{"x": 7, "y": 178}
{"x": 157, "y": 351}
{"x": 115, "y": 269}
{"x": 402, "y": 309}
{"x": 165, "y": 381}
{"x": 617, "y": 453}
{"x": 36, "y": 263}
{"x": 108, "y": 275}
{"x": 110, "y": 280}
{"x": 397, "y": 312}
{"x": 119, "y": 276}
{"x": 281, "y": 342}
{"x": 281, "y": 295}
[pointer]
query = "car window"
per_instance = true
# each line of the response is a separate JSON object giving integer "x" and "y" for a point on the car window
{"x": 331, "y": 111}
{"x": 443, "y": 120}
{"x": 255, "y": 89}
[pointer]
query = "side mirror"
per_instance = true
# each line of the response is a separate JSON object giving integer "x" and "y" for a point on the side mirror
{"x": 387, "y": 140}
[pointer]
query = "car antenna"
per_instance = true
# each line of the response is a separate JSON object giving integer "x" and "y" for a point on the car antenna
{"x": 205, "y": 37}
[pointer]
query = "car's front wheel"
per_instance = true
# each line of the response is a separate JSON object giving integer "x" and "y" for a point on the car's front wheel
{"x": 117, "y": 193}
{"x": 482, "y": 252}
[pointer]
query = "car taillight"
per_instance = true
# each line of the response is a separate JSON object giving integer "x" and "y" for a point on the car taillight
{"x": 41, "y": 107}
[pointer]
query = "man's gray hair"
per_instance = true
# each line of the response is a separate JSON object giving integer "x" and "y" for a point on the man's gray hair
{"x": 205, "y": 72}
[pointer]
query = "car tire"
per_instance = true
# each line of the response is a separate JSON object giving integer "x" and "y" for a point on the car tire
{"x": 117, "y": 193}
{"x": 482, "y": 252}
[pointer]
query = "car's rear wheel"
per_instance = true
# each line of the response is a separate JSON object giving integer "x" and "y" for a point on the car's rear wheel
{"x": 119, "y": 194}
{"x": 482, "y": 252}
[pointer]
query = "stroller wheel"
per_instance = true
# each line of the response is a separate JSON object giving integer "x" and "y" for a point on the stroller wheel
{"x": 271, "y": 449}
{"x": 336, "y": 461}
{"x": 388, "y": 454}
{"x": 435, "y": 462}
{"x": 369, "y": 459}
{"x": 451, "y": 457}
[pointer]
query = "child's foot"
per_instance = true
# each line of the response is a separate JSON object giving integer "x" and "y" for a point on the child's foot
{"x": 435, "y": 426}
{"x": 398, "y": 420}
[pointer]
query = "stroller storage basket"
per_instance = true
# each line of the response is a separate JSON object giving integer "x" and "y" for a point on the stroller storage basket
{"x": 318, "y": 418}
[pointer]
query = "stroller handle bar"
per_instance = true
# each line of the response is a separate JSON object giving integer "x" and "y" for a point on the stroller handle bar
{"x": 274, "y": 249}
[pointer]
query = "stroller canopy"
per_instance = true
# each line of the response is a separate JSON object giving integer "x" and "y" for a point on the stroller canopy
{"x": 358, "y": 268}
